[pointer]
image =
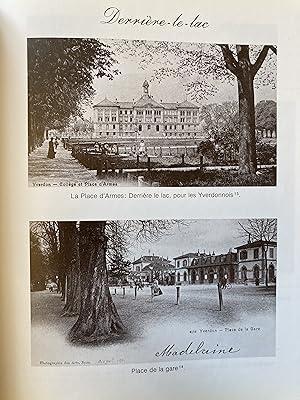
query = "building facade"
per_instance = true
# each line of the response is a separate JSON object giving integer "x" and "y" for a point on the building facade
{"x": 146, "y": 118}
{"x": 254, "y": 262}
{"x": 150, "y": 268}
{"x": 257, "y": 260}
{"x": 210, "y": 268}
{"x": 182, "y": 263}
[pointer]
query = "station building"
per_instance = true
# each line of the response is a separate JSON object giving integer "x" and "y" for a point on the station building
{"x": 244, "y": 264}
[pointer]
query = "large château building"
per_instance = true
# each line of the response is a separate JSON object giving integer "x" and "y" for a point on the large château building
{"x": 146, "y": 118}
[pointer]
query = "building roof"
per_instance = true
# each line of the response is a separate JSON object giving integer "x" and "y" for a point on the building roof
{"x": 106, "y": 103}
{"x": 124, "y": 104}
{"x": 158, "y": 265}
{"x": 187, "y": 255}
{"x": 219, "y": 259}
{"x": 172, "y": 106}
{"x": 186, "y": 104}
{"x": 256, "y": 243}
{"x": 150, "y": 259}
{"x": 147, "y": 100}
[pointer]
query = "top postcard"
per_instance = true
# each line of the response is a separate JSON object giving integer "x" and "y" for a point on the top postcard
{"x": 144, "y": 113}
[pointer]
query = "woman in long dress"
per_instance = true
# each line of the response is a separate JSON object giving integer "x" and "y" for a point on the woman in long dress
{"x": 51, "y": 152}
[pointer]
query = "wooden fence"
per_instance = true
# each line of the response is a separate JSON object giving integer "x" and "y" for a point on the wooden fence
{"x": 104, "y": 163}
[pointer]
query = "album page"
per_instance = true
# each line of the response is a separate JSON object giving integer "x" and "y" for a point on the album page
{"x": 149, "y": 160}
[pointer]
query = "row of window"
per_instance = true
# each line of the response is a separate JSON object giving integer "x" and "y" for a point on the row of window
{"x": 181, "y": 134}
{"x": 149, "y": 112}
{"x": 244, "y": 254}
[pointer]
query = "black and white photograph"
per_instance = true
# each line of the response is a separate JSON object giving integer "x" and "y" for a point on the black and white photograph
{"x": 112, "y": 112}
{"x": 132, "y": 291}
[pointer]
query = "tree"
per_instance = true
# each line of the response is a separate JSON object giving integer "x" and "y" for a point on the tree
{"x": 70, "y": 266}
{"x": 206, "y": 66}
{"x": 119, "y": 267}
{"x": 60, "y": 80}
{"x": 221, "y": 123}
{"x": 47, "y": 234}
{"x": 245, "y": 72}
{"x": 38, "y": 271}
{"x": 264, "y": 230}
{"x": 266, "y": 115}
{"x": 98, "y": 318}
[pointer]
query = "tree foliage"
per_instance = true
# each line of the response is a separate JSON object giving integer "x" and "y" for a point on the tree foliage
{"x": 221, "y": 124}
{"x": 266, "y": 115}
{"x": 60, "y": 78}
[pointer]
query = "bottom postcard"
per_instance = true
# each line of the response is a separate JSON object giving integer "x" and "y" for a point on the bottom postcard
{"x": 132, "y": 291}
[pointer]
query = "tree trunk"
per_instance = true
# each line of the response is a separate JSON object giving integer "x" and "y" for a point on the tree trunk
{"x": 70, "y": 249}
{"x": 98, "y": 318}
{"x": 247, "y": 142}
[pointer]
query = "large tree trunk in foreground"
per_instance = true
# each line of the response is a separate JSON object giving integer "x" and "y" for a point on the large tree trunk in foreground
{"x": 98, "y": 318}
{"x": 247, "y": 142}
{"x": 70, "y": 248}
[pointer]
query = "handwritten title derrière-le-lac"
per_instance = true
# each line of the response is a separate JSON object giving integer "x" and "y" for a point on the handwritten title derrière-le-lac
{"x": 113, "y": 15}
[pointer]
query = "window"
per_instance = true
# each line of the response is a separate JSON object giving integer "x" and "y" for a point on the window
{"x": 178, "y": 264}
{"x": 140, "y": 128}
{"x": 120, "y": 112}
{"x": 148, "y": 127}
{"x": 182, "y": 127}
{"x": 114, "y": 126}
{"x": 184, "y": 276}
{"x": 157, "y": 128}
{"x": 125, "y": 111}
{"x": 271, "y": 252}
{"x": 255, "y": 255}
{"x": 178, "y": 277}
{"x": 184, "y": 263}
{"x": 243, "y": 255}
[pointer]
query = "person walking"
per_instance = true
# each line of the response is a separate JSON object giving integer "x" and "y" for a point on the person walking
{"x": 51, "y": 152}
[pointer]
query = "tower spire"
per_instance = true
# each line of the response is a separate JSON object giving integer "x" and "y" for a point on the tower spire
{"x": 146, "y": 86}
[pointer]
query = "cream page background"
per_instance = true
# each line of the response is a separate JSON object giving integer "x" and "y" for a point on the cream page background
{"x": 230, "y": 21}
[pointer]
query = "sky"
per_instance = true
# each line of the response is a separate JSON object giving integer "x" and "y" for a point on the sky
{"x": 128, "y": 85}
{"x": 218, "y": 235}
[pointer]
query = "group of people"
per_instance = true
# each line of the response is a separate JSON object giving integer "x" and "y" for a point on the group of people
{"x": 53, "y": 144}
{"x": 139, "y": 284}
